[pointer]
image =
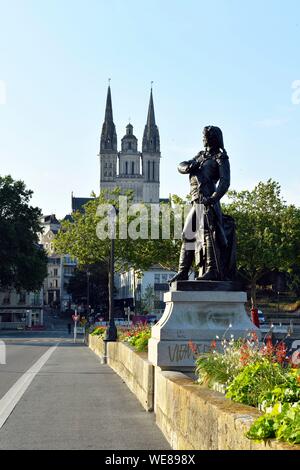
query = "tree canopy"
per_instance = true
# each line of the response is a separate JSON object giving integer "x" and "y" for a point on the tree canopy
{"x": 23, "y": 263}
{"x": 80, "y": 238}
{"x": 268, "y": 231}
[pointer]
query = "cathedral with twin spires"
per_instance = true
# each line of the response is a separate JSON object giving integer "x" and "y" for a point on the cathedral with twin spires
{"x": 129, "y": 168}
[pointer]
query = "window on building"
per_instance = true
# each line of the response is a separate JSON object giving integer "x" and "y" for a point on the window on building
{"x": 22, "y": 297}
{"x": 153, "y": 170}
{"x": 126, "y": 168}
{"x": 132, "y": 168}
{"x": 55, "y": 272}
{"x": 164, "y": 278}
{"x": 55, "y": 283}
{"x": 105, "y": 166}
{"x": 157, "y": 278}
{"x": 6, "y": 299}
{"x": 149, "y": 170}
{"x": 129, "y": 145}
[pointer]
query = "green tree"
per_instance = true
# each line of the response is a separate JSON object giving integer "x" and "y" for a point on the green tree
{"x": 148, "y": 299}
{"x": 97, "y": 279}
{"x": 79, "y": 238}
{"x": 23, "y": 264}
{"x": 268, "y": 231}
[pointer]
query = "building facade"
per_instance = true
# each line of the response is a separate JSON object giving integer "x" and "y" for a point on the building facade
{"x": 60, "y": 267}
{"x": 21, "y": 309}
{"x": 128, "y": 168}
{"x": 143, "y": 292}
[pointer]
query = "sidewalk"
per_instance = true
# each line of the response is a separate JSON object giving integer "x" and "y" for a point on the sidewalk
{"x": 77, "y": 403}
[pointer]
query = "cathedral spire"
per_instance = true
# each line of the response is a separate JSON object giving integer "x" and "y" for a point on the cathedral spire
{"x": 108, "y": 109}
{"x": 151, "y": 134}
{"x": 108, "y": 140}
{"x": 151, "y": 115}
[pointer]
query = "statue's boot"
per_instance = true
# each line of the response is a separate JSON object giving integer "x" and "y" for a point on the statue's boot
{"x": 185, "y": 263}
{"x": 211, "y": 273}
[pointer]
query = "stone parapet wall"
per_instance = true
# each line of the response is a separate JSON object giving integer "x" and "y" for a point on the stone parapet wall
{"x": 97, "y": 345}
{"x": 135, "y": 370}
{"x": 197, "y": 418}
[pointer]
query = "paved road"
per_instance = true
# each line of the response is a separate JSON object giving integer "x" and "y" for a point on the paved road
{"x": 72, "y": 402}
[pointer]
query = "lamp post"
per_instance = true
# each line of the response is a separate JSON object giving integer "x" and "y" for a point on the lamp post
{"x": 111, "y": 332}
{"x": 88, "y": 291}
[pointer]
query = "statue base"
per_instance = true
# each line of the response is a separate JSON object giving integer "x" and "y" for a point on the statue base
{"x": 196, "y": 315}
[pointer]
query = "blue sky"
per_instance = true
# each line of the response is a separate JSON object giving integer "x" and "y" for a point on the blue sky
{"x": 224, "y": 62}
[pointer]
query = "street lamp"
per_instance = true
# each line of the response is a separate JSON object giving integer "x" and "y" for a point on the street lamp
{"x": 111, "y": 332}
{"x": 88, "y": 291}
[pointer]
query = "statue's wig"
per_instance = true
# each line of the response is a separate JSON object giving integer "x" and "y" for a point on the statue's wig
{"x": 214, "y": 136}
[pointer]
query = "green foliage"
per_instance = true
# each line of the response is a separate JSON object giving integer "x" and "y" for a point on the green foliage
{"x": 287, "y": 392}
{"x": 23, "y": 264}
{"x": 219, "y": 366}
{"x": 148, "y": 299}
{"x": 138, "y": 337}
{"x": 258, "y": 376}
{"x": 254, "y": 381}
{"x": 223, "y": 363}
{"x": 79, "y": 239}
{"x": 268, "y": 231}
{"x": 98, "y": 331}
{"x": 283, "y": 423}
{"x": 97, "y": 279}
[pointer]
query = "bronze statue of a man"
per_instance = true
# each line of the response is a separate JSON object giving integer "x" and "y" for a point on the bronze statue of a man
{"x": 209, "y": 179}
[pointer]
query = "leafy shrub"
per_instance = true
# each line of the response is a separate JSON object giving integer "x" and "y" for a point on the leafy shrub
{"x": 283, "y": 423}
{"x": 138, "y": 337}
{"x": 224, "y": 364}
{"x": 99, "y": 331}
{"x": 259, "y": 376}
{"x": 288, "y": 392}
{"x": 252, "y": 384}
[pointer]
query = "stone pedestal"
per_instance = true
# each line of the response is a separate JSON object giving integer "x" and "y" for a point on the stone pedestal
{"x": 194, "y": 317}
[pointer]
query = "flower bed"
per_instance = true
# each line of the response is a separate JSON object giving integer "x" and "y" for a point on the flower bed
{"x": 259, "y": 376}
{"x": 137, "y": 336}
{"x": 98, "y": 331}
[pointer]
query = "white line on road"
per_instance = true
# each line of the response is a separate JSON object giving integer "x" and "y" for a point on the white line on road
{"x": 15, "y": 393}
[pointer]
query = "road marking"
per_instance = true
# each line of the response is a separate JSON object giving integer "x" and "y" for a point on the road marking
{"x": 15, "y": 393}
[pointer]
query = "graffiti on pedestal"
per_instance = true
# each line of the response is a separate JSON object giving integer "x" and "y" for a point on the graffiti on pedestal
{"x": 184, "y": 351}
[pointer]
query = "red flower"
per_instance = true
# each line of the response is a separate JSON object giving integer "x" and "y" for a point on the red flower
{"x": 253, "y": 337}
{"x": 213, "y": 344}
{"x": 193, "y": 347}
{"x": 268, "y": 349}
{"x": 281, "y": 352}
{"x": 244, "y": 354}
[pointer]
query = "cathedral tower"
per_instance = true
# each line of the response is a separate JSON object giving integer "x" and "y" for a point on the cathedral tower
{"x": 151, "y": 156}
{"x": 108, "y": 148}
{"x": 130, "y": 176}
